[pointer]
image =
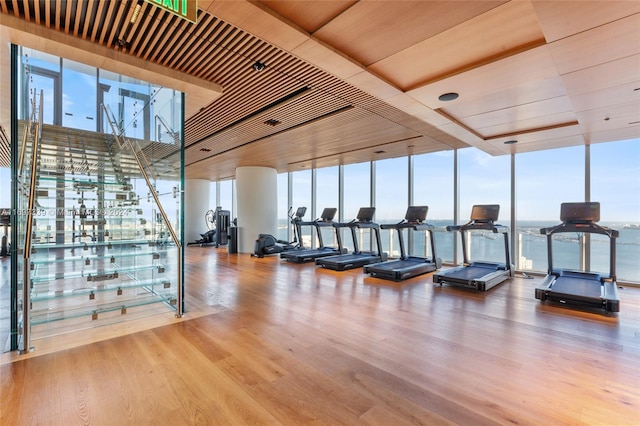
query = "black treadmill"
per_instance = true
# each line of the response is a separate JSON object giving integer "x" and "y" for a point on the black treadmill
{"x": 407, "y": 266}
{"x": 479, "y": 275}
{"x": 358, "y": 258}
{"x": 582, "y": 288}
{"x": 307, "y": 255}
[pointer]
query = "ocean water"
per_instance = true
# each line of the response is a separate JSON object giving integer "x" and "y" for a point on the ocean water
{"x": 532, "y": 255}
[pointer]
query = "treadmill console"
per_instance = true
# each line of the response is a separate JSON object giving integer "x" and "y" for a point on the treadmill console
{"x": 365, "y": 214}
{"x": 485, "y": 213}
{"x": 580, "y": 212}
{"x": 301, "y": 212}
{"x": 416, "y": 214}
{"x": 328, "y": 214}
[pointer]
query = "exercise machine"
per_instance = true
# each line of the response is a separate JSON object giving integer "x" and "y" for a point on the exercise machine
{"x": 267, "y": 244}
{"x": 480, "y": 275}
{"x": 407, "y": 266}
{"x": 357, "y": 258}
{"x": 218, "y": 222}
{"x": 580, "y": 287}
{"x": 309, "y": 255}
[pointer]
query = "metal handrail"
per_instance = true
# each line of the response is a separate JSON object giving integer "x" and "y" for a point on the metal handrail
{"x": 127, "y": 143}
{"x": 27, "y": 131}
{"x": 26, "y": 254}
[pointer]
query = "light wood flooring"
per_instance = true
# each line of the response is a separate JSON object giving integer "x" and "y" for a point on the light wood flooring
{"x": 269, "y": 342}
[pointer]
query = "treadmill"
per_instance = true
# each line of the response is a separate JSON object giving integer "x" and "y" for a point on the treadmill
{"x": 358, "y": 258}
{"x": 407, "y": 266}
{"x": 580, "y": 287}
{"x": 307, "y": 255}
{"x": 479, "y": 275}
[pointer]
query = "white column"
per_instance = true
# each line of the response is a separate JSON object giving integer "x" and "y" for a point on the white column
{"x": 257, "y": 195}
{"x": 196, "y": 205}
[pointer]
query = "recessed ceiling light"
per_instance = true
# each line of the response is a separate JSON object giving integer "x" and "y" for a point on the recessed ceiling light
{"x": 258, "y": 66}
{"x": 272, "y": 122}
{"x": 510, "y": 142}
{"x": 379, "y": 152}
{"x": 448, "y": 96}
{"x": 205, "y": 150}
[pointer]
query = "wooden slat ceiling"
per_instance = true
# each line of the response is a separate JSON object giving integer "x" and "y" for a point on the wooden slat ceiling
{"x": 349, "y": 81}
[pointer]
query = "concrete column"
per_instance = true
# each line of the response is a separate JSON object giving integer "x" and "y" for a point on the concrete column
{"x": 196, "y": 205}
{"x": 257, "y": 194}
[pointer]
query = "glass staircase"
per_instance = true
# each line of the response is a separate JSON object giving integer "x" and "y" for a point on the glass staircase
{"x": 96, "y": 245}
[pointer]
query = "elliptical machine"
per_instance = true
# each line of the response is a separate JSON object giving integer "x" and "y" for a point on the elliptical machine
{"x": 218, "y": 222}
{"x": 268, "y": 244}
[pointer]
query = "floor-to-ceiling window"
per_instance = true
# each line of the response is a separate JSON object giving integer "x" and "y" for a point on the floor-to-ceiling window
{"x": 392, "y": 198}
{"x": 485, "y": 179}
{"x": 226, "y": 195}
{"x": 433, "y": 187}
{"x": 545, "y": 180}
{"x": 615, "y": 184}
{"x": 301, "y": 197}
{"x": 284, "y": 230}
{"x": 327, "y": 191}
{"x": 357, "y": 193}
{"x": 79, "y": 96}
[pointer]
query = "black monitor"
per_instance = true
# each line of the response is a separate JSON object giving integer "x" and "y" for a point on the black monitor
{"x": 485, "y": 212}
{"x": 301, "y": 212}
{"x": 416, "y": 214}
{"x": 328, "y": 214}
{"x": 580, "y": 212}
{"x": 365, "y": 214}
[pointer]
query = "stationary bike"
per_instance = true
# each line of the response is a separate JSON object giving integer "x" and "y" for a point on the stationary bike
{"x": 268, "y": 244}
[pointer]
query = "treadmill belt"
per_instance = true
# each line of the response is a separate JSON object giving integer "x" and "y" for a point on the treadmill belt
{"x": 469, "y": 273}
{"x": 576, "y": 286}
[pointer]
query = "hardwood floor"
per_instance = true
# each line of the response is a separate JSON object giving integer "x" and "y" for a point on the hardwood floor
{"x": 270, "y": 342}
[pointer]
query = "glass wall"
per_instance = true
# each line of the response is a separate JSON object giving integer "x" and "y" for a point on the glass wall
{"x": 433, "y": 187}
{"x": 327, "y": 193}
{"x": 613, "y": 168}
{"x": 392, "y": 199}
{"x": 484, "y": 180}
{"x": 79, "y": 96}
{"x": 284, "y": 229}
{"x": 226, "y": 196}
{"x": 301, "y": 194}
{"x": 544, "y": 180}
{"x": 357, "y": 193}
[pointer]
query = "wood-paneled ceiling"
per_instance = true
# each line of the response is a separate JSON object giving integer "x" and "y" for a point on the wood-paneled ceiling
{"x": 346, "y": 81}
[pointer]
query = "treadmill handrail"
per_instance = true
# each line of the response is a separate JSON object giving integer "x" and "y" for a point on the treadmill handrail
{"x": 588, "y": 227}
{"x": 417, "y": 226}
{"x": 480, "y": 226}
